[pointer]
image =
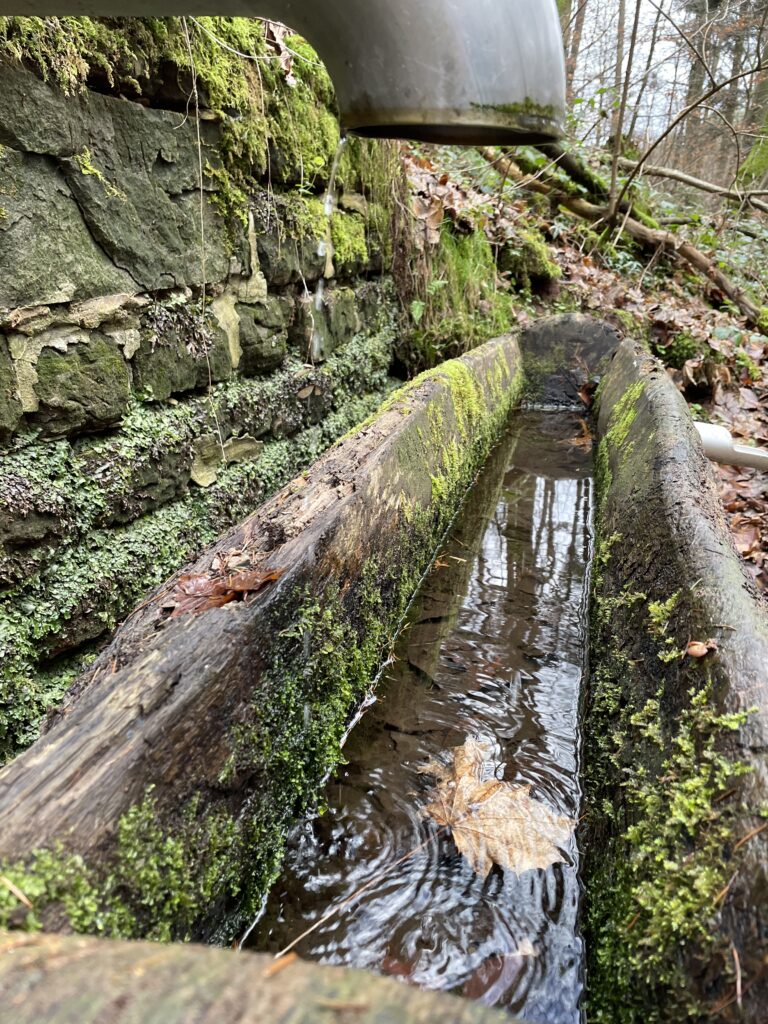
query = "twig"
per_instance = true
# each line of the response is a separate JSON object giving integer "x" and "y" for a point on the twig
{"x": 16, "y": 891}
{"x": 681, "y": 116}
{"x": 750, "y": 835}
{"x": 737, "y": 967}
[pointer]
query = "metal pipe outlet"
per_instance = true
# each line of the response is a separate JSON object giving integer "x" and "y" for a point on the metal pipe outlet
{"x": 465, "y": 72}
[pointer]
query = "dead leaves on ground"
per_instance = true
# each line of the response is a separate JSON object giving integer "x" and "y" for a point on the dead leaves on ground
{"x": 491, "y": 821}
{"x": 744, "y": 494}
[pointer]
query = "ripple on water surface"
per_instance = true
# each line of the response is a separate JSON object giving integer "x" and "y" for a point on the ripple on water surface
{"x": 494, "y": 649}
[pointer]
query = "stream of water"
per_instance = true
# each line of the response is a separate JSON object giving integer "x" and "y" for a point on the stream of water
{"x": 494, "y": 649}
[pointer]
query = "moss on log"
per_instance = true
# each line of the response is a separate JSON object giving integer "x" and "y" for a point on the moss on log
{"x": 676, "y": 771}
{"x": 58, "y": 980}
{"x": 112, "y": 819}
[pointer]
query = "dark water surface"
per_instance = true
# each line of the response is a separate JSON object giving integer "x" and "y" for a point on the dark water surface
{"x": 494, "y": 649}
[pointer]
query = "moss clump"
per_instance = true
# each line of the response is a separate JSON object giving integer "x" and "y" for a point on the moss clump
{"x": 154, "y": 888}
{"x": 457, "y": 303}
{"x": 84, "y": 161}
{"x": 527, "y": 260}
{"x": 662, "y": 876}
{"x": 755, "y": 168}
{"x": 348, "y": 234}
{"x": 679, "y": 349}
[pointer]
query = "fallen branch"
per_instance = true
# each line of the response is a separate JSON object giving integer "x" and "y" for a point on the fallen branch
{"x": 652, "y": 238}
{"x": 698, "y": 183}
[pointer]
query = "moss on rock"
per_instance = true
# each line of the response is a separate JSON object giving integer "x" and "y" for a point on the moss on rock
{"x": 10, "y": 406}
{"x": 86, "y": 386}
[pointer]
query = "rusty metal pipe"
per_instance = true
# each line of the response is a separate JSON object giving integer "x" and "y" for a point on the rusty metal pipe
{"x": 453, "y": 71}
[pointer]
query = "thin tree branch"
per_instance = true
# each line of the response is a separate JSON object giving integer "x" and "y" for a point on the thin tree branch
{"x": 681, "y": 117}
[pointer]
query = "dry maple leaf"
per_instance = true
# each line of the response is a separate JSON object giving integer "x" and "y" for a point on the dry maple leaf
{"x": 494, "y": 822}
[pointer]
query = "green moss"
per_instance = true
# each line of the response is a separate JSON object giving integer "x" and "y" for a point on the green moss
{"x": 755, "y": 167}
{"x": 348, "y": 234}
{"x": 84, "y": 591}
{"x": 171, "y": 867}
{"x": 85, "y": 162}
{"x": 680, "y": 349}
{"x": 658, "y": 857}
{"x": 526, "y": 258}
{"x": 457, "y": 304}
{"x": 156, "y": 884}
{"x": 663, "y": 874}
{"x": 523, "y": 113}
{"x": 623, "y": 416}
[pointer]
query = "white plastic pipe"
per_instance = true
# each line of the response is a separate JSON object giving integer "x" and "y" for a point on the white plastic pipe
{"x": 720, "y": 447}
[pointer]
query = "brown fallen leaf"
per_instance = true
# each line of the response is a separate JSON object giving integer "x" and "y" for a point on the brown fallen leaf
{"x": 279, "y": 965}
{"x": 700, "y": 648}
{"x": 494, "y": 822}
{"x": 202, "y": 591}
{"x": 249, "y": 581}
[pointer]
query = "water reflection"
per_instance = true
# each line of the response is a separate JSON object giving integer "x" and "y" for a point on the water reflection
{"x": 494, "y": 647}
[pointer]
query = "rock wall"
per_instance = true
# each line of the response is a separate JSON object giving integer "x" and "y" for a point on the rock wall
{"x": 154, "y": 389}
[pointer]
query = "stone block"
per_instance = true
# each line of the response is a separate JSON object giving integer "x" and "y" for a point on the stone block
{"x": 10, "y": 406}
{"x": 86, "y": 386}
{"x": 163, "y": 367}
{"x": 263, "y": 337}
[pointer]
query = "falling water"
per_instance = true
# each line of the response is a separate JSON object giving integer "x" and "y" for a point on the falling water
{"x": 329, "y": 206}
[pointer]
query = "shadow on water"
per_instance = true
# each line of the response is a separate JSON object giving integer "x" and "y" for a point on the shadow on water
{"x": 495, "y": 647}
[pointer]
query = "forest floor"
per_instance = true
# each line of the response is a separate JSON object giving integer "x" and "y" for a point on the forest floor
{"x": 717, "y": 360}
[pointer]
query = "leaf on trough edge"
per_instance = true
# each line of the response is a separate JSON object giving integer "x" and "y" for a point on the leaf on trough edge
{"x": 494, "y": 822}
{"x": 200, "y": 592}
{"x": 700, "y": 648}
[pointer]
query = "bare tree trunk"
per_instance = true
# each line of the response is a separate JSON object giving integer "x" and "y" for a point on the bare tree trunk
{"x": 565, "y": 10}
{"x": 647, "y": 71}
{"x": 619, "y": 123}
{"x": 575, "y": 48}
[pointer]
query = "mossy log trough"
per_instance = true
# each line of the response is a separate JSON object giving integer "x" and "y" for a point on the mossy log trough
{"x": 676, "y": 746}
{"x": 156, "y": 802}
{"x": 50, "y": 978}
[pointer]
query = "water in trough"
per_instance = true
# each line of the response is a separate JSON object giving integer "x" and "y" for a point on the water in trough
{"x": 494, "y": 651}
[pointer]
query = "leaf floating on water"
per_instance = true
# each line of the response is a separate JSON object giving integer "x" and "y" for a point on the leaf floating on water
{"x": 494, "y": 822}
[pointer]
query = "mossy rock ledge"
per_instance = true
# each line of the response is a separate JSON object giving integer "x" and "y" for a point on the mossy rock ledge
{"x": 114, "y": 822}
{"x": 676, "y": 773}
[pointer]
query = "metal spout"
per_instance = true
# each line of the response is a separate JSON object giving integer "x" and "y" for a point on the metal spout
{"x": 467, "y": 72}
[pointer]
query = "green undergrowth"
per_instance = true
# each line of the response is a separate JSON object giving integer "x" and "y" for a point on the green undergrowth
{"x": 170, "y": 868}
{"x": 455, "y": 303}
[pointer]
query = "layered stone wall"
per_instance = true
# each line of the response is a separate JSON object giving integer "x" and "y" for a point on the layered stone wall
{"x": 153, "y": 388}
